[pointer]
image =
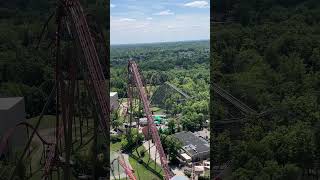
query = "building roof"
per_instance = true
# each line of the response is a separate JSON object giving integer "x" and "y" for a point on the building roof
{"x": 199, "y": 168}
{"x": 192, "y": 144}
{"x": 9, "y": 102}
{"x": 143, "y": 120}
{"x": 204, "y": 133}
{"x": 186, "y": 156}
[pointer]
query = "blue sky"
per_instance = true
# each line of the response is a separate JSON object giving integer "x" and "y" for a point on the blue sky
{"x": 147, "y": 21}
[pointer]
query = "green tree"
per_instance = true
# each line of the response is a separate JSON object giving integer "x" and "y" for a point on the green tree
{"x": 171, "y": 126}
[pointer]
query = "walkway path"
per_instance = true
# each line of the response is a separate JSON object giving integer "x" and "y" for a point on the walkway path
{"x": 153, "y": 151}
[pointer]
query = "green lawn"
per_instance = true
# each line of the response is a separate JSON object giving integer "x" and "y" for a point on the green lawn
{"x": 146, "y": 159}
{"x": 48, "y": 121}
{"x": 157, "y": 110}
{"x": 115, "y": 146}
{"x": 140, "y": 170}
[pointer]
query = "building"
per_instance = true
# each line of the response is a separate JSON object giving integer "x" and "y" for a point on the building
{"x": 205, "y": 133}
{"x": 159, "y": 119}
{"x": 12, "y": 112}
{"x": 132, "y": 125}
{"x": 143, "y": 121}
{"x": 194, "y": 148}
{"x": 114, "y": 101}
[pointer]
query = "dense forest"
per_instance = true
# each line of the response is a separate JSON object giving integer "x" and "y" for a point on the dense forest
{"x": 268, "y": 56}
{"x": 27, "y": 69}
{"x": 184, "y": 64}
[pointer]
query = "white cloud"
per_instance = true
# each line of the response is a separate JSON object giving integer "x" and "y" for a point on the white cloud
{"x": 196, "y": 26}
{"x": 112, "y": 5}
{"x": 141, "y": 25}
{"x": 197, "y": 4}
{"x": 164, "y": 13}
{"x": 126, "y": 20}
{"x": 181, "y": 28}
{"x": 149, "y": 18}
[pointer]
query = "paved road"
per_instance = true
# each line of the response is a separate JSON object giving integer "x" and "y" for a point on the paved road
{"x": 116, "y": 172}
{"x": 153, "y": 151}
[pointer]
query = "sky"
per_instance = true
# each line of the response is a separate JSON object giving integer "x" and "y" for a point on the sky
{"x": 148, "y": 21}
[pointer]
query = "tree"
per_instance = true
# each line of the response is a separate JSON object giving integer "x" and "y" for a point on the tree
{"x": 132, "y": 141}
{"x": 171, "y": 145}
{"x": 222, "y": 148}
{"x": 171, "y": 126}
{"x": 115, "y": 120}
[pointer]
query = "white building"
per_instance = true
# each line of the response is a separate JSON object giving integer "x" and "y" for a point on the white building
{"x": 143, "y": 121}
{"x": 114, "y": 101}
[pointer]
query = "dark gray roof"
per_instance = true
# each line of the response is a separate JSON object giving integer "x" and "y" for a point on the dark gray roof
{"x": 9, "y": 102}
{"x": 192, "y": 143}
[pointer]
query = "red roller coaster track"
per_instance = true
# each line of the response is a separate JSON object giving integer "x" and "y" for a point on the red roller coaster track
{"x": 134, "y": 71}
{"x": 96, "y": 77}
{"x": 10, "y": 132}
{"x": 126, "y": 168}
{"x": 72, "y": 13}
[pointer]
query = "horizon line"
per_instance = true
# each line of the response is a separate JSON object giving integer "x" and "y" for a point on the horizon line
{"x": 157, "y": 42}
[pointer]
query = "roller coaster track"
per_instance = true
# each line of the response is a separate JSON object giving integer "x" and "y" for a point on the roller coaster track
{"x": 178, "y": 90}
{"x": 72, "y": 13}
{"x": 134, "y": 71}
{"x": 243, "y": 107}
{"x": 126, "y": 168}
{"x": 10, "y": 132}
{"x": 128, "y": 171}
{"x": 163, "y": 89}
{"x": 95, "y": 72}
{"x": 97, "y": 83}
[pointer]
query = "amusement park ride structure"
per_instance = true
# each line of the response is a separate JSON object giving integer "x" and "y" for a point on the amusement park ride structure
{"x": 136, "y": 80}
{"x": 70, "y": 18}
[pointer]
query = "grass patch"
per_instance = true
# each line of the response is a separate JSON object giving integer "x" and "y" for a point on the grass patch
{"x": 148, "y": 161}
{"x": 115, "y": 146}
{"x": 157, "y": 110}
{"x": 141, "y": 172}
{"x": 47, "y": 121}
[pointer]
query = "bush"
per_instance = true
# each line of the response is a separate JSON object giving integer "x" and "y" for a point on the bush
{"x": 187, "y": 173}
{"x": 142, "y": 153}
{"x": 115, "y": 139}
